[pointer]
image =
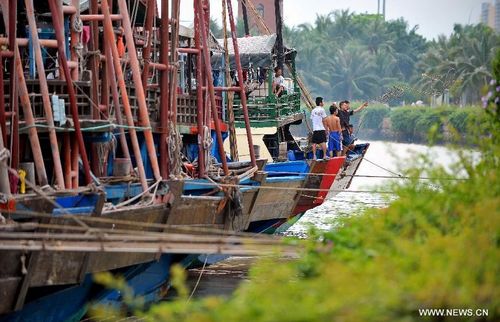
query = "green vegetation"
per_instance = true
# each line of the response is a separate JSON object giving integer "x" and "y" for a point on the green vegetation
{"x": 360, "y": 56}
{"x": 344, "y": 55}
{"x": 413, "y": 123}
{"x": 436, "y": 246}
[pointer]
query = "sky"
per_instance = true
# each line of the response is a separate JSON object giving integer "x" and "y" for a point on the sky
{"x": 434, "y": 17}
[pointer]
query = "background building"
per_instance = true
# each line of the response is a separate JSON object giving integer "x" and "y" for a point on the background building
{"x": 265, "y": 8}
{"x": 490, "y": 14}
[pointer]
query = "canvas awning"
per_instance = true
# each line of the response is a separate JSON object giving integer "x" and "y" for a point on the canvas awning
{"x": 254, "y": 51}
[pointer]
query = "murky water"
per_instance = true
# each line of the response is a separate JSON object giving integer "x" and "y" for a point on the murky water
{"x": 382, "y": 159}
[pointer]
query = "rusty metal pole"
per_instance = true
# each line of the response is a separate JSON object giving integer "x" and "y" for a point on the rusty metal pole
{"x": 110, "y": 36}
{"x": 30, "y": 122}
{"x": 94, "y": 59}
{"x": 71, "y": 90}
{"x": 210, "y": 83}
{"x": 67, "y": 159}
{"x": 174, "y": 54}
{"x": 116, "y": 102}
{"x": 173, "y": 70}
{"x": 94, "y": 66}
{"x": 75, "y": 36}
{"x": 9, "y": 9}
{"x": 164, "y": 90}
{"x": 44, "y": 89}
{"x": 62, "y": 34}
{"x": 199, "y": 98}
{"x": 3, "y": 120}
{"x": 4, "y": 174}
{"x": 141, "y": 99}
{"x": 74, "y": 164}
{"x": 148, "y": 31}
{"x": 242, "y": 86}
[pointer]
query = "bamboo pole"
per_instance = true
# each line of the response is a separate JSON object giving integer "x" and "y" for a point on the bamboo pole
{"x": 71, "y": 90}
{"x": 210, "y": 83}
{"x": 141, "y": 99}
{"x": 126, "y": 238}
{"x": 243, "y": 96}
{"x": 159, "y": 247}
{"x": 110, "y": 36}
{"x": 44, "y": 89}
{"x": 159, "y": 229}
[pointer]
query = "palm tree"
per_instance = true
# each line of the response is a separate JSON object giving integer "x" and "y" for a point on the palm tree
{"x": 473, "y": 60}
{"x": 351, "y": 73}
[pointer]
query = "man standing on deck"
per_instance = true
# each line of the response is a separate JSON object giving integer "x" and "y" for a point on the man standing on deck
{"x": 344, "y": 114}
{"x": 335, "y": 132}
{"x": 318, "y": 118}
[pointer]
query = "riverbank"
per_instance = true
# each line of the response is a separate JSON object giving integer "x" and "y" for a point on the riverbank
{"x": 416, "y": 124}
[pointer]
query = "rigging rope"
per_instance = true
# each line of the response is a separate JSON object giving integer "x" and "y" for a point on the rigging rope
{"x": 174, "y": 144}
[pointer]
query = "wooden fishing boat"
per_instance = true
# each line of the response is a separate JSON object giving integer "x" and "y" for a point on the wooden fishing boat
{"x": 120, "y": 127}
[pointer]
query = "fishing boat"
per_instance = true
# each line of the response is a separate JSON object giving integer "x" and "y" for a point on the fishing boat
{"x": 83, "y": 143}
{"x": 271, "y": 118}
{"x": 112, "y": 121}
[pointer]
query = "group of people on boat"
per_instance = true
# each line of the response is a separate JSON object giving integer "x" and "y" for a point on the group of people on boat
{"x": 334, "y": 133}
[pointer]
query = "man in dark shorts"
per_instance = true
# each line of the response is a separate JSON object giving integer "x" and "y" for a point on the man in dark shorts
{"x": 345, "y": 114}
{"x": 318, "y": 116}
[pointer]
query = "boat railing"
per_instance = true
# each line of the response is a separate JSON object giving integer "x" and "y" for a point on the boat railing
{"x": 269, "y": 110}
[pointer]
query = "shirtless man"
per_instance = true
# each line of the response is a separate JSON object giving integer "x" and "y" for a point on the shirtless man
{"x": 334, "y": 129}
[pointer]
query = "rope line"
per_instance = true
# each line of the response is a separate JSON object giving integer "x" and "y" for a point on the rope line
{"x": 199, "y": 278}
{"x": 364, "y": 175}
{"x": 285, "y": 188}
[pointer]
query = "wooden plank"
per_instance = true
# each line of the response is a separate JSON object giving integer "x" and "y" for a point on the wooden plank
{"x": 96, "y": 213}
{"x": 276, "y": 205}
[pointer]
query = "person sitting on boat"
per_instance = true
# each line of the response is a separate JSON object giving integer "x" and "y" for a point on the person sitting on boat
{"x": 318, "y": 118}
{"x": 334, "y": 132}
{"x": 344, "y": 114}
{"x": 278, "y": 82}
{"x": 352, "y": 138}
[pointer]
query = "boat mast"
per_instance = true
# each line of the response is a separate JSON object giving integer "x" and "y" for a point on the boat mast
{"x": 279, "y": 34}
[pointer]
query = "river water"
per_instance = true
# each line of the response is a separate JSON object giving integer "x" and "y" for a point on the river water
{"x": 382, "y": 159}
